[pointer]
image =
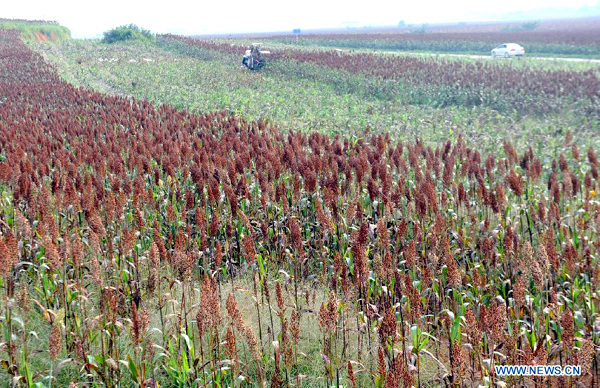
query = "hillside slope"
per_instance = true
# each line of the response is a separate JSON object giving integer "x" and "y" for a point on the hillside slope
{"x": 36, "y": 30}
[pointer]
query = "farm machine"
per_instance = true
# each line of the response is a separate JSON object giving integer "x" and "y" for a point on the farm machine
{"x": 254, "y": 58}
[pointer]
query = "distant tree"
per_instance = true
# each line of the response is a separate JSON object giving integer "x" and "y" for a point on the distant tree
{"x": 530, "y": 26}
{"x": 401, "y": 23}
{"x": 527, "y": 26}
{"x": 421, "y": 30}
{"x": 127, "y": 32}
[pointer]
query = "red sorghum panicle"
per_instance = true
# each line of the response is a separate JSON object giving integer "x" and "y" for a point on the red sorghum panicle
{"x": 519, "y": 295}
{"x": 288, "y": 358}
{"x": 13, "y": 248}
{"x": 401, "y": 368}
{"x": 388, "y": 327}
{"x": 351, "y": 375}
{"x": 381, "y": 363}
{"x": 96, "y": 271}
{"x": 566, "y": 322}
{"x": 127, "y": 242}
{"x": 231, "y": 350}
{"x": 410, "y": 254}
{"x": 543, "y": 259}
{"x": 153, "y": 269}
{"x": 23, "y": 298}
{"x": 382, "y": 233}
{"x": 392, "y": 378}
{"x": 345, "y": 281}
{"x": 218, "y": 255}
{"x": 570, "y": 255}
{"x": 513, "y": 180}
{"x": 279, "y": 297}
{"x": 144, "y": 316}
{"x": 324, "y": 221}
{"x": 94, "y": 243}
{"x": 210, "y": 302}
{"x": 350, "y": 213}
{"x": 77, "y": 250}
{"x": 135, "y": 324}
{"x": 23, "y": 224}
{"x": 96, "y": 223}
{"x": 458, "y": 362}
{"x": 54, "y": 342}
{"x": 296, "y": 236}
{"x": 214, "y": 224}
{"x": 328, "y": 314}
{"x": 233, "y": 312}
{"x": 454, "y": 275}
{"x": 50, "y": 224}
{"x": 416, "y": 306}
{"x": 388, "y": 265}
{"x": 378, "y": 266}
{"x": 527, "y": 258}
{"x": 551, "y": 249}
{"x": 472, "y": 328}
{"x": 585, "y": 356}
{"x": 249, "y": 249}
{"x": 537, "y": 274}
{"x": 183, "y": 263}
{"x": 332, "y": 315}
{"x": 5, "y": 266}
{"x": 497, "y": 321}
{"x": 200, "y": 322}
{"x": 54, "y": 259}
{"x": 358, "y": 251}
{"x": 252, "y": 342}
{"x": 295, "y": 326}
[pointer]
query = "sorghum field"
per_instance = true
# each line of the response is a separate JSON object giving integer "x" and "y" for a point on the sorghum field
{"x": 168, "y": 219}
{"x": 567, "y": 38}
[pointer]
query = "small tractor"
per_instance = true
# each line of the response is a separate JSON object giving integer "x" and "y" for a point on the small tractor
{"x": 253, "y": 58}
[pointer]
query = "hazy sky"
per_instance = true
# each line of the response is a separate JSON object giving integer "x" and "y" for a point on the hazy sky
{"x": 88, "y": 19}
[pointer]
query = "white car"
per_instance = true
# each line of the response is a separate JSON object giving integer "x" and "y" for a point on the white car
{"x": 508, "y": 50}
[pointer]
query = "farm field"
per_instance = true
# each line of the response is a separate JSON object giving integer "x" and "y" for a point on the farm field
{"x": 309, "y": 97}
{"x": 583, "y": 44}
{"x": 351, "y": 219}
{"x": 577, "y": 38}
{"x": 533, "y": 61}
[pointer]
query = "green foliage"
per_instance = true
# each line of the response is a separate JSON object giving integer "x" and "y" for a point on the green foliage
{"x": 530, "y": 26}
{"x": 420, "y": 30}
{"x": 37, "y": 31}
{"x": 527, "y": 26}
{"x": 127, "y": 32}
